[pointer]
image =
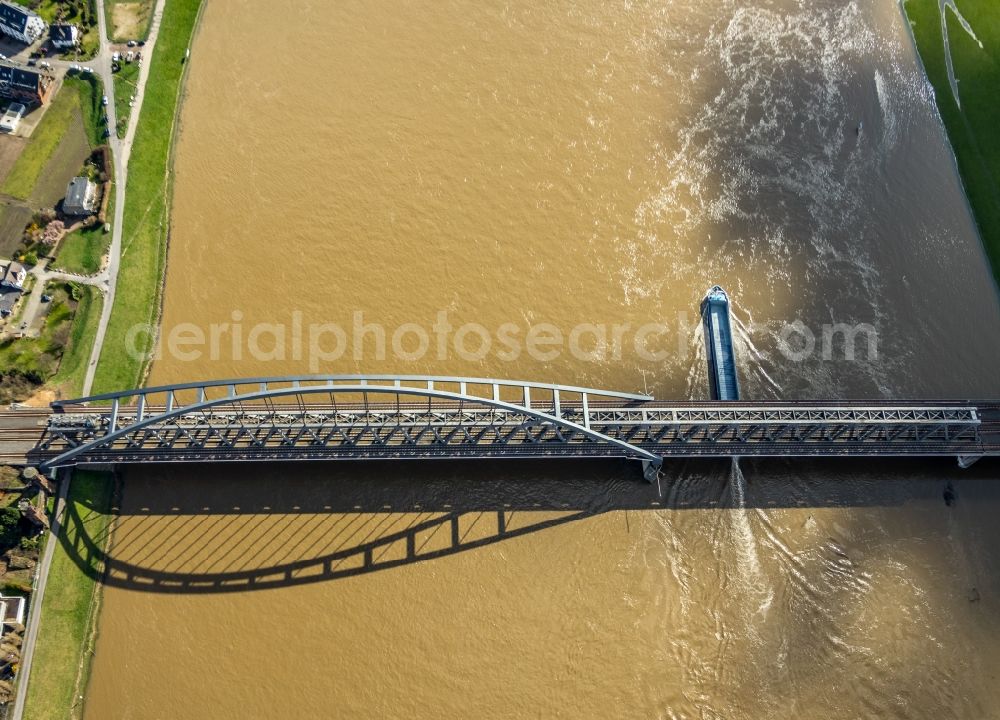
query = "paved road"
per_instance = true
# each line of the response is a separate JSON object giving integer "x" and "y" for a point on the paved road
{"x": 35, "y": 613}
{"x": 121, "y": 149}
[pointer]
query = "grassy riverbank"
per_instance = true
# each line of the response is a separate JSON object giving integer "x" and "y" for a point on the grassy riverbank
{"x": 972, "y": 128}
{"x": 147, "y": 207}
{"x": 61, "y": 660}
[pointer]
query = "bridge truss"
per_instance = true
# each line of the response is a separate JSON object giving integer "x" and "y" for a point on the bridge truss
{"x": 370, "y": 417}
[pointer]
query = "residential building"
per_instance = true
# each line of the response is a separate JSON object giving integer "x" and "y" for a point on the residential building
{"x": 11, "y": 118}
{"x": 20, "y": 23}
{"x": 12, "y": 610}
{"x": 64, "y": 37}
{"x": 15, "y": 276}
{"x": 30, "y": 86}
{"x": 81, "y": 197}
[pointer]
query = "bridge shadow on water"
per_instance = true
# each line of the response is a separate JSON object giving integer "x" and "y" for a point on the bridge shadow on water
{"x": 230, "y": 528}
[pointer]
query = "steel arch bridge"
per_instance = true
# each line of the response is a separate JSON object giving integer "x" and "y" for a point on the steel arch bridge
{"x": 387, "y": 416}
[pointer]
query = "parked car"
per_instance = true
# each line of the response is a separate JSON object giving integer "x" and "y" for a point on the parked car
{"x": 115, "y": 57}
{"x": 87, "y": 69}
{"x": 32, "y": 62}
{"x": 104, "y": 100}
{"x": 131, "y": 43}
{"x": 46, "y": 298}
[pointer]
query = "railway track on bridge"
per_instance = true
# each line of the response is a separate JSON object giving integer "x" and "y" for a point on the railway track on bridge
{"x": 414, "y": 417}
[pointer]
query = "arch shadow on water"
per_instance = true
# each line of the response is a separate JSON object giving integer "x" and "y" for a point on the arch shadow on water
{"x": 218, "y": 529}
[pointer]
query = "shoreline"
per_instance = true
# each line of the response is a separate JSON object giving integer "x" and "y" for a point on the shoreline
{"x": 990, "y": 256}
{"x": 152, "y": 144}
{"x": 147, "y": 364}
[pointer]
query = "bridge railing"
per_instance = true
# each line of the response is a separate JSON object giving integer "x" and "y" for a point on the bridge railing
{"x": 382, "y": 416}
{"x": 540, "y": 403}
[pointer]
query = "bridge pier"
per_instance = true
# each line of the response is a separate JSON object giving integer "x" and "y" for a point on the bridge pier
{"x": 967, "y": 461}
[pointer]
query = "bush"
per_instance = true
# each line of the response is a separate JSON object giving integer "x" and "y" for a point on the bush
{"x": 31, "y": 258}
{"x": 43, "y": 217}
{"x": 52, "y": 233}
{"x": 10, "y": 526}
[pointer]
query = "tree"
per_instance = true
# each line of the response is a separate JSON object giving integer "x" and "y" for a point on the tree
{"x": 10, "y": 526}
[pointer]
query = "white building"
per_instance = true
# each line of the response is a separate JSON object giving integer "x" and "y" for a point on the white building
{"x": 15, "y": 276}
{"x": 64, "y": 37}
{"x": 12, "y": 610}
{"x": 11, "y": 118}
{"x": 20, "y": 23}
{"x": 81, "y": 197}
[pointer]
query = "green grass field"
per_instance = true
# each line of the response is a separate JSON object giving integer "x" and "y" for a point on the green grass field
{"x": 60, "y": 665}
{"x": 90, "y": 89}
{"x": 63, "y": 164}
{"x": 68, "y": 379}
{"x": 81, "y": 251}
{"x": 44, "y": 141}
{"x": 144, "y": 234}
{"x": 972, "y": 128}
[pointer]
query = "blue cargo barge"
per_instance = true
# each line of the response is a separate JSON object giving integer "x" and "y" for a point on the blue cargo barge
{"x": 719, "y": 344}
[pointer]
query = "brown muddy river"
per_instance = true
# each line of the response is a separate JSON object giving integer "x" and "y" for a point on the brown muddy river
{"x": 465, "y": 178}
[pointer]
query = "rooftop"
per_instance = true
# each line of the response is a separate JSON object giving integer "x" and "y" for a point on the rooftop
{"x": 14, "y": 16}
{"x": 63, "y": 33}
{"x": 18, "y": 75}
{"x": 79, "y": 196}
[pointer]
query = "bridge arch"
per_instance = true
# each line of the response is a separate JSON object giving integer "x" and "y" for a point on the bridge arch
{"x": 421, "y": 386}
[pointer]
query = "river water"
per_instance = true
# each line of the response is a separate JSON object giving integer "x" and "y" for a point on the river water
{"x": 464, "y": 177}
